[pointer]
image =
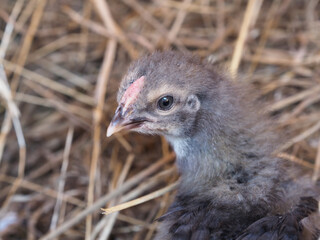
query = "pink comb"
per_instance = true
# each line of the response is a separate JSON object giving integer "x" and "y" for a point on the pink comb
{"x": 131, "y": 93}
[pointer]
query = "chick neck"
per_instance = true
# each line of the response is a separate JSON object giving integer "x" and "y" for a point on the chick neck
{"x": 208, "y": 154}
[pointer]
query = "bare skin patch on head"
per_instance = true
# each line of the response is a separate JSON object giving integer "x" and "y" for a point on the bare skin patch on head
{"x": 131, "y": 94}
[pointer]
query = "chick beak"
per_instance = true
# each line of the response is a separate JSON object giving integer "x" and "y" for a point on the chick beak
{"x": 123, "y": 120}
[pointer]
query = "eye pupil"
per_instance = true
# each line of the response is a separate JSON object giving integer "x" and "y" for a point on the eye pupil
{"x": 165, "y": 102}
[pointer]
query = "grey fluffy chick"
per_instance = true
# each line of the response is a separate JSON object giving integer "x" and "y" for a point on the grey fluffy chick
{"x": 232, "y": 187}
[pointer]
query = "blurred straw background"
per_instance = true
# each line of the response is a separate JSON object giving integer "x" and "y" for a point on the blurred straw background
{"x": 60, "y": 66}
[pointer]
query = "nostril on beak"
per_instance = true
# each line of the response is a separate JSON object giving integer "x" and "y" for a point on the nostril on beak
{"x": 119, "y": 109}
{"x": 118, "y": 113}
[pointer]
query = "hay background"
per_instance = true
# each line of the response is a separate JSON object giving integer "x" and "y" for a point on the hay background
{"x": 63, "y": 61}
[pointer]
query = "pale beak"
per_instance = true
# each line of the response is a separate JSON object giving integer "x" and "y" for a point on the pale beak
{"x": 122, "y": 120}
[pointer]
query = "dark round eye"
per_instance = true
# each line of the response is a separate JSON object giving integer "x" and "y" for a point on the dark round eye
{"x": 165, "y": 103}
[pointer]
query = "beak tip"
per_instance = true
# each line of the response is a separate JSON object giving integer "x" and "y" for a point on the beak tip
{"x": 110, "y": 131}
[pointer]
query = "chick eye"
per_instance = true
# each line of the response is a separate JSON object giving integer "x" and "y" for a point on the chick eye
{"x": 165, "y": 103}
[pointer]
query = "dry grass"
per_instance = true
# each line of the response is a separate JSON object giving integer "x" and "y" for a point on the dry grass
{"x": 60, "y": 66}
